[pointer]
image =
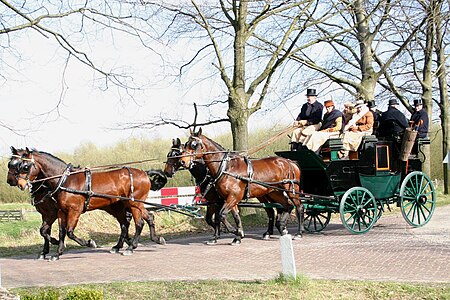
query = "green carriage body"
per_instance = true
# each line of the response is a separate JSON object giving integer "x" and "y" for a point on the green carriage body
{"x": 361, "y": 187}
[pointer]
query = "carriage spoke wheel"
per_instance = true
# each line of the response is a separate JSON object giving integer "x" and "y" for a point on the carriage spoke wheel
{"x": 358, "y": 210}
{"x": 316, "y": 220}
{"x": 417, "y": 199}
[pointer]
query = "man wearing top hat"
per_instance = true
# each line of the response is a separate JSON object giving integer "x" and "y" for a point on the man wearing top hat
{"x": 308, "y": 120}
{"x": 376, "y": 114}
{"x": 331, "y": 127}
{"x": 419, "y": 119}
{"x": 392, "y": 122}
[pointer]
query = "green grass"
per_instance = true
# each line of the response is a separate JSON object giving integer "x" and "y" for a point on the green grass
{"x": 280, "y": 288}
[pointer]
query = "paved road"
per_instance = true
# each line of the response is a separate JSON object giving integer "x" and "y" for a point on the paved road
{"x": 391, "y": 251}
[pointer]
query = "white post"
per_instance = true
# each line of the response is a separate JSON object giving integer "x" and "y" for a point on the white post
{"x": 287, "y": 256}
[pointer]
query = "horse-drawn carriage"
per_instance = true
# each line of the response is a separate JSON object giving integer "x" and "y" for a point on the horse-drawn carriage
{"x": 382, "y": 172}
{"x": 361, "y": 187}
{"x": 314, "y": 185}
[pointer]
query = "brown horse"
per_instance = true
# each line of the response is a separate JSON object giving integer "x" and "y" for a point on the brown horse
{"x": 271, "y": 179}
{"x": 203, "y": 180}
{"x": 76, "y": 193}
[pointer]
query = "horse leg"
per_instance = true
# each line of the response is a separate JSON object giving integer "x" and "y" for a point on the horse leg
{"x": 139, "y": 224}
{"x": 45, "y": 232}
{"x": 271, "y": 215}
{"x": 150, "y": 219}
{"x": 239, "y": 232}
{"x": 124, "y": 237}
{"x": 283, "y": 222}
{"x": 62, "y": 221}
{"x": 239, "y": 228}
{"x": 213, "y": 209}
{"x": 72, "y": 221}
{"x": 300, "y": 219}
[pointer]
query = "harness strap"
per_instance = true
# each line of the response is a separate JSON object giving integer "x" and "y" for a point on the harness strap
{"x": 250, "y": 177}
{"x": 61, "y": 182}
{"x": 223, "y": 166}
{"x": 88, "y": 188}
{"x": 131, "y": 183}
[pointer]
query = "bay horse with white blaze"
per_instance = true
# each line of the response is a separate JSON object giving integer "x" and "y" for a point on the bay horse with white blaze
{"x": 270, "y": 179}
{"x": 77, "y": 191}
{"x": 214, "y": 201}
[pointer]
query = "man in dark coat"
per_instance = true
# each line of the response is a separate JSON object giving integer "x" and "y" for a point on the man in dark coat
{"x": 308, "y": 120}
{"x": 392, "y": 122}
{"x": 331, "y": 127}
{"x": 376, "y": 114}
{"x": 419, "y": 119}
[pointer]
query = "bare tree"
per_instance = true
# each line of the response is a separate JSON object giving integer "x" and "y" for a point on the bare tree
{"x": 247, "y": 42}
{"x": 354, "y": 43}
{"x": 72, "y": 25}
{"x": 441, "y": 21}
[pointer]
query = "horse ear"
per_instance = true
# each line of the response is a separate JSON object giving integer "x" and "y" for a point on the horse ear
{"x": 176, "y": 143}
{"x": 190, "y": 131}
{"x": 14, "y": 150}
{"x": 199, "y": 133}
{"x": 28, "y": 150}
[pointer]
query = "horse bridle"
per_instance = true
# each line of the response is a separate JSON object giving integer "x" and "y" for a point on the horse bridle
{"x": 175, "y": 152}
{"x": 22, "y": 166}
{"x": 193, "y": 145}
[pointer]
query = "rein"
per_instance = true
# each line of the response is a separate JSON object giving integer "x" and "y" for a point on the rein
{"x": 98, "y": 168}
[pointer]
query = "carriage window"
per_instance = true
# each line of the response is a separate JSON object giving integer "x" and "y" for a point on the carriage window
{"x": 383, "y": 158}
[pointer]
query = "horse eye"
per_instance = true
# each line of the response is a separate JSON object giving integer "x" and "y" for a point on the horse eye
{"x": 194, "y": 145}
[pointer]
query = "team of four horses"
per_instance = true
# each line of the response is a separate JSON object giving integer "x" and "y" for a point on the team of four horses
{"x": 64, "y": 192}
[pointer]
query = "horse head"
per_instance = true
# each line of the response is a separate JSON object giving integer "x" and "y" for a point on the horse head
{"x": 21, "y": 168}
{"x": 173, "y": 163}
{"x": 193, "y": 149}
{"x": 13, "y": 167}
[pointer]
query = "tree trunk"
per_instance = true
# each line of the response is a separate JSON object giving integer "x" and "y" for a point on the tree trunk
{"x": 443, "y": 93}
{"x": 427, "y": 76}
{"x": 239, "y": 130}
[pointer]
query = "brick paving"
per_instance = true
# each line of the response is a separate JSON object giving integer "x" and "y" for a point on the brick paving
{"x": 391, "y": 251}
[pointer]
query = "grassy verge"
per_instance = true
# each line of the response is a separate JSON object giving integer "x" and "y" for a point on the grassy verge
{"x": 300, "y": 288}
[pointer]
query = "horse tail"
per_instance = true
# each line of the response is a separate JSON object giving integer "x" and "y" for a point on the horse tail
{"x": 157, "y": 178}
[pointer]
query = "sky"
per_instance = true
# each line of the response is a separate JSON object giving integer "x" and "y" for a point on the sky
{"x": 30, "y": 94}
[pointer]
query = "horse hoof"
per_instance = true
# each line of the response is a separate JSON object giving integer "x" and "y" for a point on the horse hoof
{"x": 41, "y": 257}
{"x": 266, "y": 237}
{"x": 92, "y": 244}
{"x": 236, "y": 242}
{"x": 114, "y": 250}
{"x": 54, "y": 258}
{"x": 127, "y": 252}
{"x": 297, "y": 237}
{"x": 161, "y": 241}
{"x": 211, "y": 242}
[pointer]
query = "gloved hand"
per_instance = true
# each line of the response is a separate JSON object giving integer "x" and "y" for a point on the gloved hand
{"x": 302, "y": 122}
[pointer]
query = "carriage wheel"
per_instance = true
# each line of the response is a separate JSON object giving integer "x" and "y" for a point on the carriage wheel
{"x": 358, "y": 210}
{"x": 417, "y": 199}
{"x": 316, "y": 220}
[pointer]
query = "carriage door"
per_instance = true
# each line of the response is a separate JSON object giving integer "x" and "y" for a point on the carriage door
{"x": 383, "y": 163}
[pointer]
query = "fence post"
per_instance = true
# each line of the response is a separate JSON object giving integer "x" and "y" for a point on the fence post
{"x": 287, "y": 256}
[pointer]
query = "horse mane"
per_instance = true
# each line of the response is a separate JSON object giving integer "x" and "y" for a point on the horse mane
{"x": 52, "y": 157}
{"x": 221, "y": 148}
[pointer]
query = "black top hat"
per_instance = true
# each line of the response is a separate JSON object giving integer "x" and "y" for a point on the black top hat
{"x": 418, "y": 102}
{"x": 311, "y": 92}
{"x": 393, "y": 102}
{"x": 371, "y": 103}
